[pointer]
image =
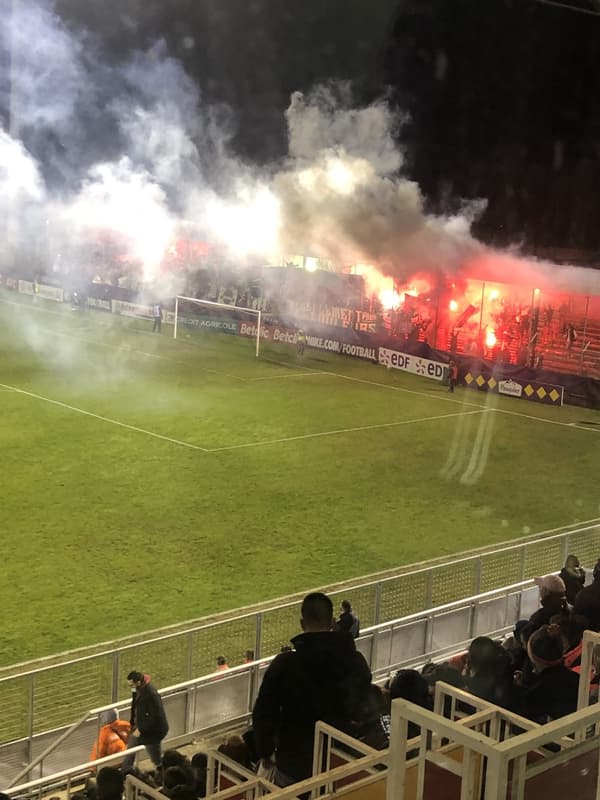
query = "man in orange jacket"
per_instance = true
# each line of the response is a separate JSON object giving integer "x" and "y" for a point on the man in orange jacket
{"x": 112, "y": 736}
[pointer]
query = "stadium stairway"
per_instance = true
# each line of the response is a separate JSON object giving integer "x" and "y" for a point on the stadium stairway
{"x": 586, "y": 363}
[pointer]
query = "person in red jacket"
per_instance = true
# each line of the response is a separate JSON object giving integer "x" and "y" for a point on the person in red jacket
{"x": 112, "y": 736}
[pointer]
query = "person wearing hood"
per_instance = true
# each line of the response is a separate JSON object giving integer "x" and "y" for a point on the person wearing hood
{"x": 112, "y": 736}
{"x": 324, "y": 678}
{"x": 149, "y": 724}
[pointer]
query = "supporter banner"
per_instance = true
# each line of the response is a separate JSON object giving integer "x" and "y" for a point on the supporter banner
{"x": 435, "y": 370}
{"x": 126, "y": 309}
{"x": 536, "y": 391}
{"x": 303, "y": 314}
{"x": 98, "y": 302}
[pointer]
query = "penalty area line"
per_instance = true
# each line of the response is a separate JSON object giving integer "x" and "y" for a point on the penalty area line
{"x": 446, "y": 399}
{"x": 83, "y": 411}
{"x": 125, "y": 348}
{"x": 282, "y": 375}
{"x": 343, "y": 430}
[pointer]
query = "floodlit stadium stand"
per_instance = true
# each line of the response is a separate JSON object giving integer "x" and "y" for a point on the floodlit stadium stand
{"x": 54, "y": 755}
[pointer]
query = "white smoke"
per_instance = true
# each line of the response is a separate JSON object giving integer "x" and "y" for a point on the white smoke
{"x": 127, "y": 201}
{"x": 20, "y": 179}
{"x": 344, "y": 196}
{"x": 130, "y": 148}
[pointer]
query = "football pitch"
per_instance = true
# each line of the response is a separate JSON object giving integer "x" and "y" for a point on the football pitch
{"x": 146, "y": 480}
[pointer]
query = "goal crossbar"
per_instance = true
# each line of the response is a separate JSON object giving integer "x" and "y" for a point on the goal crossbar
{"x": 257, "y": 313}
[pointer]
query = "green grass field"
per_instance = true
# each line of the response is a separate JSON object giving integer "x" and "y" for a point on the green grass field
{"x": 146, "y": 481}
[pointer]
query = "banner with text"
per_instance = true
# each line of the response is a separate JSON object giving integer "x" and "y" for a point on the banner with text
{"x": 41, "y": 290}
{"x": 394, "y": 359}
{"x": 131, "y": 309}
{"x": 536, "y": 391}
{"x": 203, "y": 321}
{"x": 275, "y": 333}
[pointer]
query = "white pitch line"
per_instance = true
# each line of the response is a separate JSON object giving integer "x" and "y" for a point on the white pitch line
{"x": 409, "y": 391}
{"x": 462, "y": 402}
{"x": 128, "y": 349}
{"x": 371, "y": 383}
{"x": 104, "y": 419}
{"x": 33, "y": 308}
{"x": 446, "y": 399}
{"x": 284, "y": 375}
{"x": 124, "y": 348}
{"x": 342, "y": 430}
{"x": 550, "y": 421}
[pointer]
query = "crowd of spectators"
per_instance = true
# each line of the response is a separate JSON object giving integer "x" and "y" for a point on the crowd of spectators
{"x": 322, "y": 675}
{"x": 535, "y": 671}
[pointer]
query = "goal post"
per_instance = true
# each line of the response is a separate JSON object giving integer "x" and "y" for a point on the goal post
{"x": 210, "y": 304}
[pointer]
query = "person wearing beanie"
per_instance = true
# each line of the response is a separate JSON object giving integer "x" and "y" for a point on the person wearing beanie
{"x": 550, "y": 690}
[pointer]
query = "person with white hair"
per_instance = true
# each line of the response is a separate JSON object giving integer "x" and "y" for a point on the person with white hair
{"x": 553, "y": 601}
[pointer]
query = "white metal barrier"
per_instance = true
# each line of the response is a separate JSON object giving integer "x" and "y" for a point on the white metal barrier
{"x": 88, "y": 678}
{"x": 227, "y": 698}
{"x": 491, "y": 752}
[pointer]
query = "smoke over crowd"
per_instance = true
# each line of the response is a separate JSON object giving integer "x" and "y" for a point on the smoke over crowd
{"x": 131, "y": 147}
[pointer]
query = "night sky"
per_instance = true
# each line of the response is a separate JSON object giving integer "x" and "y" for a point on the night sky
{"x": 503, "y": 95}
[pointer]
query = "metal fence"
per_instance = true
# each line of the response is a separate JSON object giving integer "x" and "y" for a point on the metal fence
{"x": 227, "y": 698}
{"x": 49, "y": 697}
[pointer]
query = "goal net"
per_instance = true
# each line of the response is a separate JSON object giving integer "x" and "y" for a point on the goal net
{"x": 194, "y": 313}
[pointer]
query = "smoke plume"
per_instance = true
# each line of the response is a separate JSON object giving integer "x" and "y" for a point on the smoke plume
{"x": 130, "y": 147}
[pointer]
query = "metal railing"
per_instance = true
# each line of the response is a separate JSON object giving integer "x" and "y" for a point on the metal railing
{"x": 493, "y": 747}
{"x": 28, "y": 699}
{"x": 227, "y": 698}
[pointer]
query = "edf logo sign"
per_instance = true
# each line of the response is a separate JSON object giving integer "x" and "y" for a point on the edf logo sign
{"x": 407, "y": 363}
{"x": 400, "y": 360}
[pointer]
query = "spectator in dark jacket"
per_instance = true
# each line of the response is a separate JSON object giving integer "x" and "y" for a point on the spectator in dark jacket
{"x": 411, "y": 685}
{"x": 587, "y": 602}
{"x": 489, "y": 672}
{"x": 551, "y": 690}
{"x": 323, "y": 678}
{"x": 173, "y": 758}
{"x": 573, "y": 577}
{"x": 109, "y": 784}
{"x": 348, "y": 621}
{"x": 149, "y": 724}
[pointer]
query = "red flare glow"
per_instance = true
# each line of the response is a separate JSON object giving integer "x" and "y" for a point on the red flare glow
{"x": 490, "y": 339}
{"x": 389, "y": 298}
